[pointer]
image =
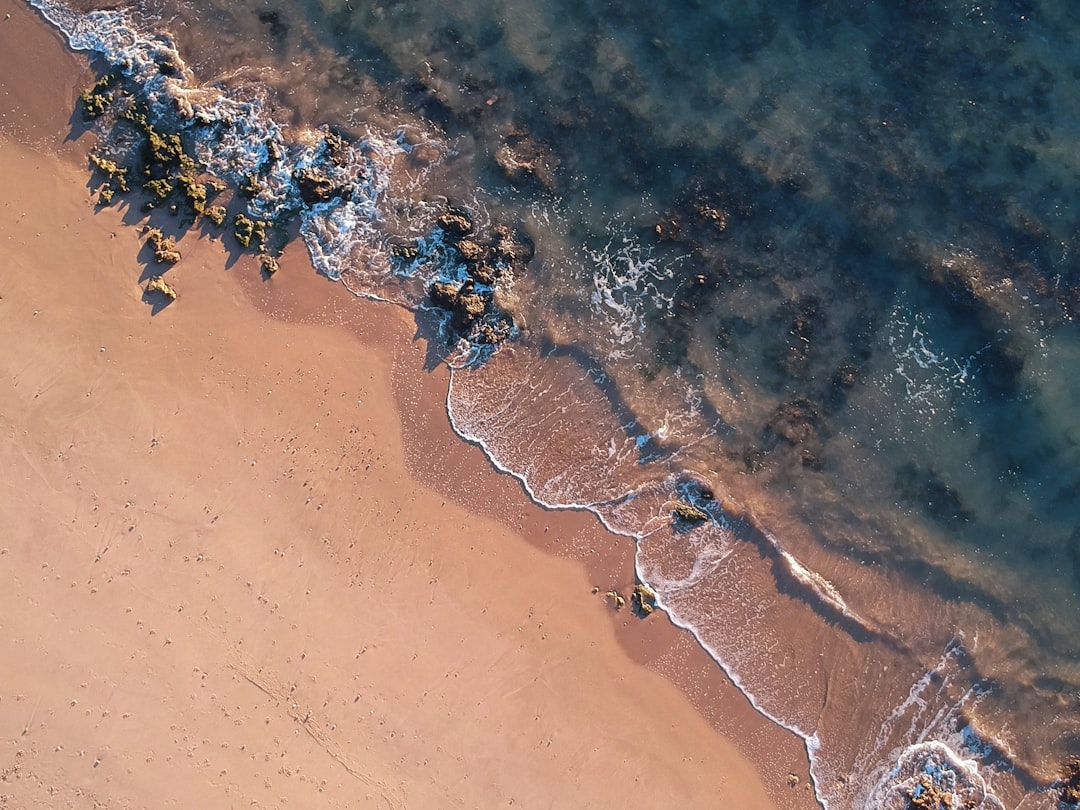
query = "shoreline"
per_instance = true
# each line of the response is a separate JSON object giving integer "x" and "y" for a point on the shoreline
{"x": 515, "y": 602}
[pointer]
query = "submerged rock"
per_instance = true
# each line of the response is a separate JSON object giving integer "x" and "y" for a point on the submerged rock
{"x": 795, "y": 422}
{"x": 522, "y": 158}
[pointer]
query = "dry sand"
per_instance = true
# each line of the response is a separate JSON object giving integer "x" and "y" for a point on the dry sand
{"x": 246, "y": 563}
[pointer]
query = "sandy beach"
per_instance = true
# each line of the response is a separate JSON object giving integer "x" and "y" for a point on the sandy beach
{"x": 247, "y": 563}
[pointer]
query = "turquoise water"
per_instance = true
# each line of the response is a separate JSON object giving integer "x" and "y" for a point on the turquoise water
{"x": 812, "y": 269}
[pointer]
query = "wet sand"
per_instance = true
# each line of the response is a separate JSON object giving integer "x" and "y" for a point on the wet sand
{"x": 247, "y": 563}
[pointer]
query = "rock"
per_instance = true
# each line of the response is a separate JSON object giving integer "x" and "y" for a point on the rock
{"x": 157, "y": 284}
{"x": 667, "y": 229}
{"x": 795, "y": 422}
{"x": 523, "y": 158}
{"x": 470, "y": 251}
{"x": 117, "y": 175}
{"x": 165, "y": 251}
{"x": 268, "y": 263}
{"x": 471, "y": 306}
{"x": 493, "y": 332}
{"x": 96, "y": 100}
{"x": 337, "y": 148}
{"x": 689, "y": 513}
{"x": 405, "y": 250}
{"x": 643, "y": 599}
{"x": 1070, "y": 783}
{"x": 454, "y": 224}
{"x": 484, "y": 274}
{"x": 926, "y": 795}
{"x": 616, "y": 599}
{"x": 216, "y": 214}
{"x": 245, "y": 229}
{"x": 444, "y": 295}
{"x": 315, "y": 187}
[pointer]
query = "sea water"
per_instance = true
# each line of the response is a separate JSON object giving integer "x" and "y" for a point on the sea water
{"x": 810, "y": 269}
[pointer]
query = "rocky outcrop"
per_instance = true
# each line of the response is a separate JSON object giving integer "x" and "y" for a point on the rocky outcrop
{"x": 487, "y": 256}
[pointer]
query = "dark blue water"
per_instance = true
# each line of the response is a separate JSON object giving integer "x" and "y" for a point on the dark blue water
{"x": 811, "y": 269}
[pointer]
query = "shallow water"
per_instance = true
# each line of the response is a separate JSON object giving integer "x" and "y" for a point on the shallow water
{"x": 809, "y": 269}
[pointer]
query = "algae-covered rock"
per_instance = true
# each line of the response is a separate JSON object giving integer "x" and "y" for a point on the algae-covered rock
{"x": 164, "y": 148}
{"x": 616, "y": 598}
{"x": 250, "y": 187}
{"x": 689, "y": 513}
{"x": 643, "y": 599}
{"x": 165, "y": 251}
{"x": 268, "y": 263}
{"x": 158, "y": 284}
{"x": 160, "y": 188}
{"x": 216, "y": 214}
{"x": 96, "y": 100}
{"x": 243, "y": 229}
{"x": 116, "y": 174}
{"x": 195, "y": 192}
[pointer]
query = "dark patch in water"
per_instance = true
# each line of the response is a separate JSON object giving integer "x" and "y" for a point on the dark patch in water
{"x": 278, "y": 29}
{"x": 925, "y": 489}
